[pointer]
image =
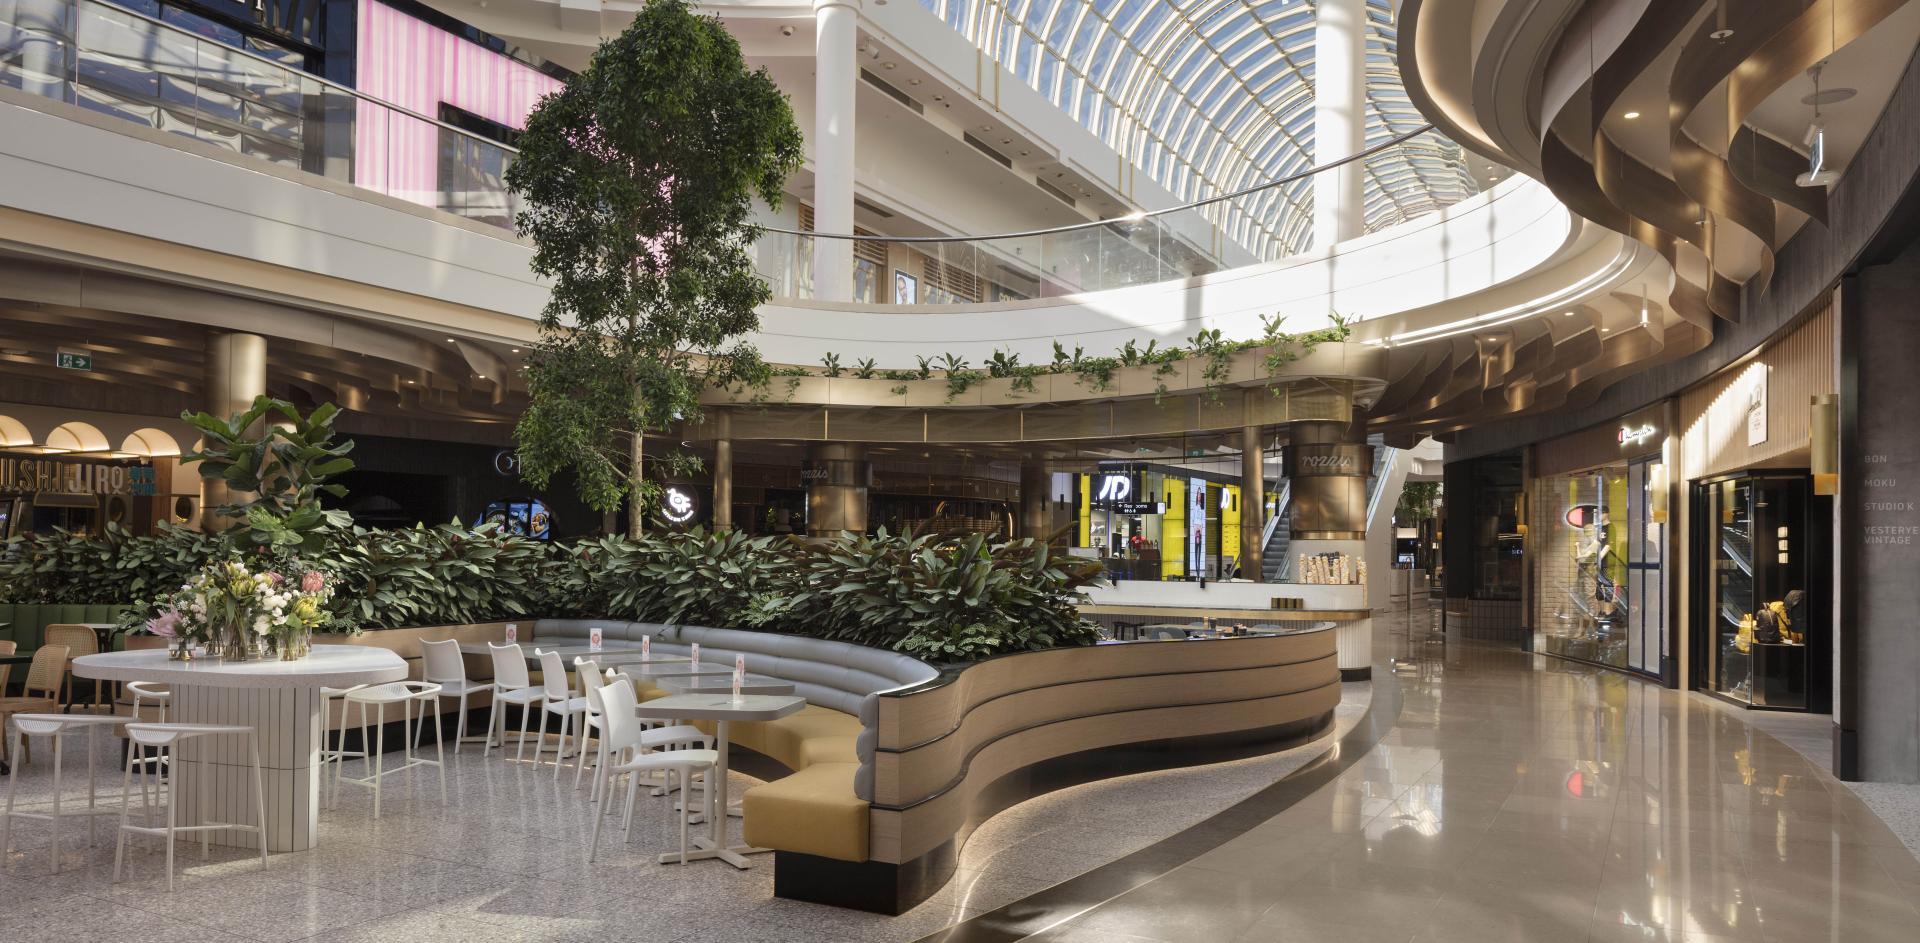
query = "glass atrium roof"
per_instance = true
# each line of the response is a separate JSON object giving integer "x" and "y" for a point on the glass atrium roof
{"x": 1213, "y": 96}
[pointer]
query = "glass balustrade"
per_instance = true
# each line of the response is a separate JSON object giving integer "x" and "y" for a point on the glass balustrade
{"x": 117, "y": 62}
{"x": 1117, "y": 253}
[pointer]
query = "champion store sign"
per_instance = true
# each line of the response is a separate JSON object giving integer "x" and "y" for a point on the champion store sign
{"x": 1634, "y": 435}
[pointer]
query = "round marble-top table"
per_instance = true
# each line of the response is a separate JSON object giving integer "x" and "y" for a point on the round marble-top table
{"x": 281, "y": 700}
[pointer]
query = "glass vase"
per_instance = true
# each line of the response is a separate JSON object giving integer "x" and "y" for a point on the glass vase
{"x": 295, "y": 646}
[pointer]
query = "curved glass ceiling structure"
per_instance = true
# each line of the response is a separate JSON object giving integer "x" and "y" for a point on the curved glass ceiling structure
{"x": 1213, "y": 96}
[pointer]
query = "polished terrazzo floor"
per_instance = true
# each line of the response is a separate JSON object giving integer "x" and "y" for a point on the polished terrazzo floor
{"x": 1525, "y": 798}
{"x": 1510, "y": 797}
{"x": 506, "y": 860}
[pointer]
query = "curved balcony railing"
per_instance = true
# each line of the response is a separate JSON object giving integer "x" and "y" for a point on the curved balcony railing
{"x": 114, "y": 61}
{"x": 1142, "y": 248}
{"x": 118, "y": 62}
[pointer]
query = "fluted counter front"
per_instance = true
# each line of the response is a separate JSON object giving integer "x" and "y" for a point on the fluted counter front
{"x": 950, "y": 753}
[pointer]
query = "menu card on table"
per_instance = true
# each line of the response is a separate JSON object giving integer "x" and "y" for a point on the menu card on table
{"x": 594, "y": 639}
{"x": 513, "y": 632}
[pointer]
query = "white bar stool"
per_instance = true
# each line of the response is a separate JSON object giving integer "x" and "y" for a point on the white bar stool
{"x": 168, "y": 736}
{"x": 57, "y": 726}
{"x": 405, "y": 694}
{"x": 512, "y": 685}
{"x": 441, "y": 664}
{"x": 559, "y": 700}
{"x": 336, "y": 755}
{"x": 623, "y": 737}
{"x": 143, "y": 692}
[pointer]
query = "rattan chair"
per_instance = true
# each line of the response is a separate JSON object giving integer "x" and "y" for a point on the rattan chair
{"x": 41, "y": 694}
{"x": 79, "y": 640}
{"x": 7, "y": 647}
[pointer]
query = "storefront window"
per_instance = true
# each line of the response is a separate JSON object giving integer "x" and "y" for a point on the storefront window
{"x": 1760, "y": 583}
{"x": 1599, "y": 577}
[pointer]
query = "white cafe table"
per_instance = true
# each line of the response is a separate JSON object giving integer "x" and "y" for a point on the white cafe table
{"x": 567, "y": 653}
{"x": 279, "y": 699}
{"x": 722, "y": 709}
{"x": 723, "y": 684}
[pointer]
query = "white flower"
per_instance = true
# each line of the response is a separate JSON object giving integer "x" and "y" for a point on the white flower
{"x": 261, "y": 626}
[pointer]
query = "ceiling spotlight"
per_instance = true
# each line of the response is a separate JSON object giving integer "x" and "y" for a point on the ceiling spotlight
{"x": 986, "y": 127}
{"x": 449, "y": 340}
{"x": 1631, "y": 115}
{"x": 786, "y": 31}
{"x": 889, "y": 65}
{"x": 913, "y": 81}
{"x": 1606, "y": 330}
{"x": 1006, "y": 140}
{"x": 513, "y": 350}
{"x": 1569, "y": 314}
{"x": 939, "y": 98}
{"x": 481, "y": 375}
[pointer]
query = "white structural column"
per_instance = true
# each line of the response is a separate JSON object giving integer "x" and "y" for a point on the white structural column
{"x": 1339, "y": 118}
{"x": 836, "y": 67}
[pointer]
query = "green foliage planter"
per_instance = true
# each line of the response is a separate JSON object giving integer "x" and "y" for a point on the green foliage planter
{"x": 949, "y": 600}
{"x": 943, "y": 600}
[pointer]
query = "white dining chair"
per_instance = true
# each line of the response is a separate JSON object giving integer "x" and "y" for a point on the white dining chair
{"x": 512, "y": 685}
{"x": 442, "y": 664}
{"x": 560, "y": 701}
{"x": 623, "y": 733}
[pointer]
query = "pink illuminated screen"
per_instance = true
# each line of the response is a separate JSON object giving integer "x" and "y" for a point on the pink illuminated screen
{"x": 417, "y": 66}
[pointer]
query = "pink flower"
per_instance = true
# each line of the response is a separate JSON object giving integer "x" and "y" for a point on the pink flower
{"x": 274, "y": 577}
{"x": 165, "y": 624}
{"x": 313, "y": 582}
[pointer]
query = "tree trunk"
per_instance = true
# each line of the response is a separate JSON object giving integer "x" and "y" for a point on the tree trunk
{"x": 636, "y": 502}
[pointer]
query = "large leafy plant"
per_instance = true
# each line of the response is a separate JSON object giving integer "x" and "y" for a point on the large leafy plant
{"x": 278, "y": 462}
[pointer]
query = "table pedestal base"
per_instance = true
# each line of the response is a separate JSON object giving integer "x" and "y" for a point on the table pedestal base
{"x": 703, "y": 849}
{"x": 288, "y": 724}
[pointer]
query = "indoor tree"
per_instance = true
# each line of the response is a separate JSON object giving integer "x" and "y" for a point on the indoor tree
{"x": 638, "y": 179}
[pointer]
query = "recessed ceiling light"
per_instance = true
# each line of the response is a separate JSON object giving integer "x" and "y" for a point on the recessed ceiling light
{"x": 986, "y": 127}
{"x": 481, "y": 375}
{"x": 939, "y": 98}
{"x": 513, "y": 350}
{"x": 1006, "y": 140}
{"x": 409, "y": 382}
{"x": 913, "y": 81}
{"x": 890, "y": 65}
{"x": 1606, "y": 330}
{"x": 1631, "y": 115}
{"x": 449, "y": 340}
{"x": 1569, "y": 314}
{"x": 1024, "y": 153}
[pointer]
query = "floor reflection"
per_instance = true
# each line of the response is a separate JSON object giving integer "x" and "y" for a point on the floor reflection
{"x": 1527, "y": 798}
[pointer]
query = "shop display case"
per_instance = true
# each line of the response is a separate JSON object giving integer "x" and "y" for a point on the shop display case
{"x": 1759, "y": 594}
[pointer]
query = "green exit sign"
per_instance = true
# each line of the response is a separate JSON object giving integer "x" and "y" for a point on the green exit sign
{"x": 74, "y": 360}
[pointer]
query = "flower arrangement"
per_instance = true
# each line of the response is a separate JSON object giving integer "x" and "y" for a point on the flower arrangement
{"x": 238, "y": 612}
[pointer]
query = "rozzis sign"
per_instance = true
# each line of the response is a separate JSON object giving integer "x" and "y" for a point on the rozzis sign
{"x": 52, "y": 476}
